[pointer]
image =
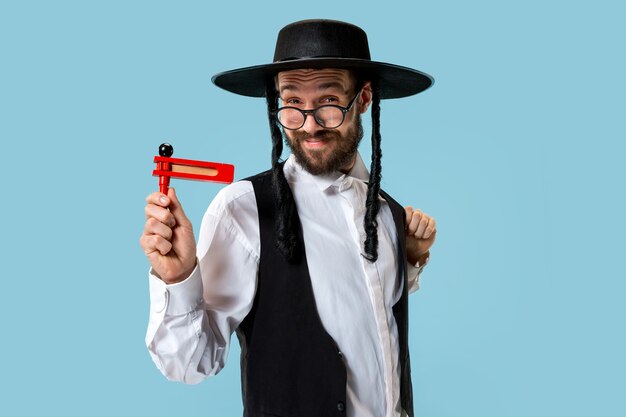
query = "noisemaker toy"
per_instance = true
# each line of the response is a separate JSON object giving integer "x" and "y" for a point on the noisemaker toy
{"x": 188, "y": 169}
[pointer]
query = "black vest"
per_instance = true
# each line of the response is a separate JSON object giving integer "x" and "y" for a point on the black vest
{"x": 290, "y": 366}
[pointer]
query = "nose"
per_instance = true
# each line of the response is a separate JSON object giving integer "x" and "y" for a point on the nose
{"x": 310, "y": 125}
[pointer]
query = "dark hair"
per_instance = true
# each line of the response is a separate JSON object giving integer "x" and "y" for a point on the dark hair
{"x": 372, "y": 203}
{"x": 287, "y": 243}
{"x": 285, "y": 225}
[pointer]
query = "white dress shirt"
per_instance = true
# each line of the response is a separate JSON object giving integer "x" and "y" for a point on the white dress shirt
{"x": 191, "y": 322}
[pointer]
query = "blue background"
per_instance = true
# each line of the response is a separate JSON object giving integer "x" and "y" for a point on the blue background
{"x": 517, "y": 151}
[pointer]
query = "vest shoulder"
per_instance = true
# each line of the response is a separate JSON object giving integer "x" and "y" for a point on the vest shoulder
{"x": 261, "y": 176}
{"x": 390, "y": 200}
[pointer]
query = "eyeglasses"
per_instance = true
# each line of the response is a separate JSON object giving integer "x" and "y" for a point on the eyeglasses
{"x": 329, "y": 116}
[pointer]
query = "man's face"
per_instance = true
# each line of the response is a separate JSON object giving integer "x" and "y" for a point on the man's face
{"x": 320, "y": 150}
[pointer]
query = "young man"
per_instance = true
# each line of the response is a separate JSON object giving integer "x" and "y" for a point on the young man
{"x": 310, "y": 262}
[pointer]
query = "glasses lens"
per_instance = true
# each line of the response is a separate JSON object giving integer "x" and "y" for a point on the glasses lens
{"x": 290, "y": 118}
{"x": 329, "y": 117}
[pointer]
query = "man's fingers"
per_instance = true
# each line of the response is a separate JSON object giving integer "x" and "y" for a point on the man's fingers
{"x": 158, "y": 199}
{"x": 411, "y": 222}
{"x": 426, "y": 227}
{"x": 177, "y": 209}
{"x": 419, "y": 224}
{"x": 155, "y": 227}
{"x": 416, "y": 218}
{"x": 161, "y": 214}
{"x": 421, "y": 227}
{"x": 166, "y": 209}
{"x": 431, "y": 228}
{"x": 154, "y": 243}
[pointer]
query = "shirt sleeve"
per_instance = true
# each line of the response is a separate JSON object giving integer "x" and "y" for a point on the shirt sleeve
{"x": 191, "y": 322}
{"x": 413, "y": 274}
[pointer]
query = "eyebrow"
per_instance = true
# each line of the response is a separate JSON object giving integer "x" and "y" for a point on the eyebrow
{"x": 323, "y": 86}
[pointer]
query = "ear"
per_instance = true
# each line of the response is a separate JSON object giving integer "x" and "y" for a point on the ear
{"x": 365, "y": 98}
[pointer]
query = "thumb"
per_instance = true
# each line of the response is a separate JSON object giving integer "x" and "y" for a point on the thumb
{"x": 177, "y": 209}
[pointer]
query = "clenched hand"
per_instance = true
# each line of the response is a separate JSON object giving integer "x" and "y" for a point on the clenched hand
{"x": 167, "y": 238}
{"x": 421, "y": 230}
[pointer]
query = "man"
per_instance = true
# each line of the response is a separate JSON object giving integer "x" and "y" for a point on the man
{"x": 310, "y": 262}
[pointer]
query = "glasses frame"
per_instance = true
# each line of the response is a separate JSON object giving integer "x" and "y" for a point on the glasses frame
{"x": 313, "y": 112}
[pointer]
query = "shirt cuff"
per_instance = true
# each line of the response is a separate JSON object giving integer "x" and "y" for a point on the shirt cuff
{"x": 175, "y": 299}
{"x": 413, "y": 274}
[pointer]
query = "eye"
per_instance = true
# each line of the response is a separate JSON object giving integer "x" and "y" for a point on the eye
{"x": 292, "y": 102}
{"x": 329, "y": 100}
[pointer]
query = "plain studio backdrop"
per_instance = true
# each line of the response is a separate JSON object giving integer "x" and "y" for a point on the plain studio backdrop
{"x": 517, "y": 151}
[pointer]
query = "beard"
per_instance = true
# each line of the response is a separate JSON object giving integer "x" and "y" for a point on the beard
{"x": 338, "y": 152}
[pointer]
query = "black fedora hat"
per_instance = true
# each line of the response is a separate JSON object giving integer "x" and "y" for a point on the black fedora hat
{"x": 322, "y": 43}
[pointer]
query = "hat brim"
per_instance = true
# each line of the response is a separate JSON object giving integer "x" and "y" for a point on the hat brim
{"x": 395, "y": 81}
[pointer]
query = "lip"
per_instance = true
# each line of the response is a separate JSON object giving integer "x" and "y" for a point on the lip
{"x": 315, "y": 143}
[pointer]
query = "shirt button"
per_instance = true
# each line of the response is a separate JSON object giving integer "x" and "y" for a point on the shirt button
{"x": 341, "y": 406}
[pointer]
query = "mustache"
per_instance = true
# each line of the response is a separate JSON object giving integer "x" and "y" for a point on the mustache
{"x": 324, "y": 135}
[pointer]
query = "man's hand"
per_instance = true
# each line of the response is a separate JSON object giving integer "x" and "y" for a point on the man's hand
{"x": 167, "y": 238}
{"x": 421, "y": 230}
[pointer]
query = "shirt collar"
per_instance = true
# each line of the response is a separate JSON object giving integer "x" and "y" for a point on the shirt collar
{"x": 296, "y": 171}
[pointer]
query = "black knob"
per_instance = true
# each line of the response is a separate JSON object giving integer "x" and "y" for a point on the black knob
{"x": 166, "y": 150}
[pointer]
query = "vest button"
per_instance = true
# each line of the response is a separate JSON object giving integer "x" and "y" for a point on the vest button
{"x": 340, "y": 353}
{"x": 341, "y": 406}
